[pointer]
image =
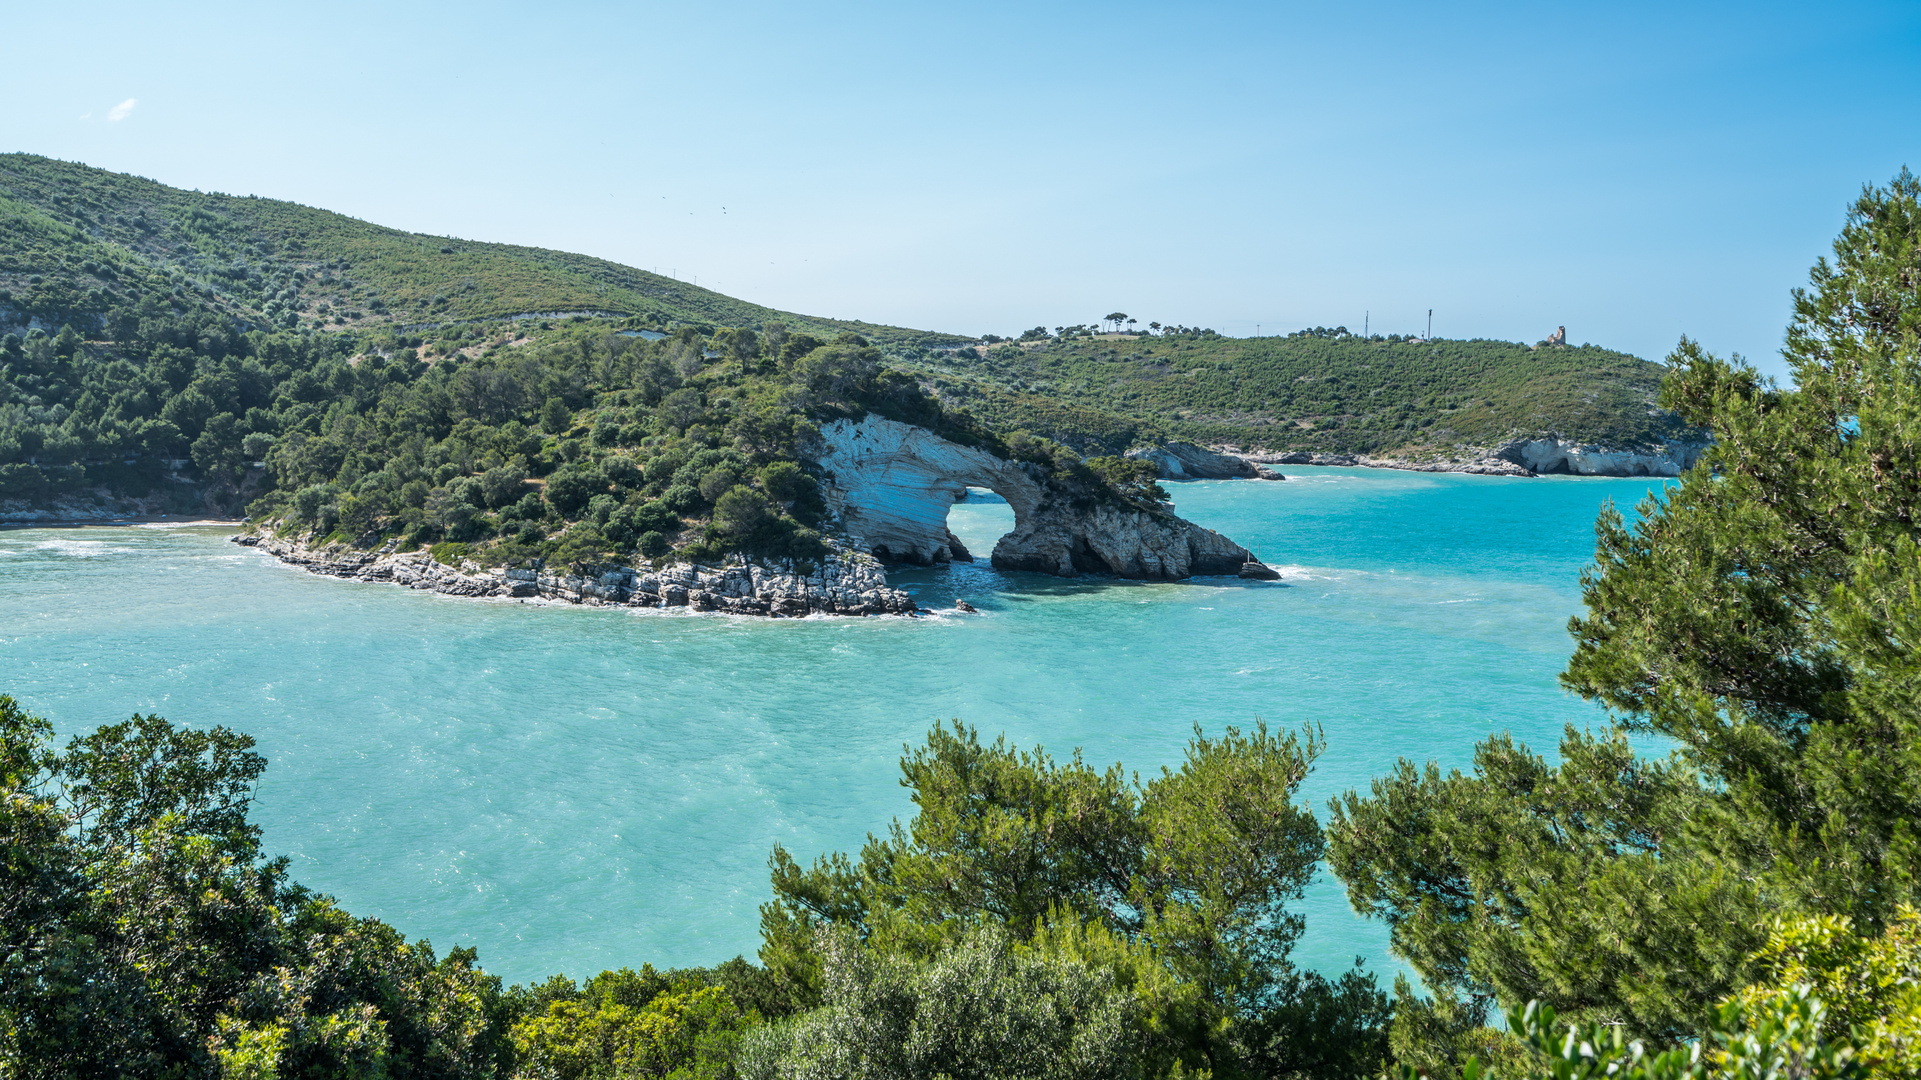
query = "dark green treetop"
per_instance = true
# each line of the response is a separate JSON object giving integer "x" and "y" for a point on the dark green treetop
{"x": 1179, "y": 885}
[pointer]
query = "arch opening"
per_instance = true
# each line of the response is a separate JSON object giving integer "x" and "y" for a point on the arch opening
{"x": 978, "y": 521}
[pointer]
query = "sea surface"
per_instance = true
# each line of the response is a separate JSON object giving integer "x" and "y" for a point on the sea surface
{"x": 571, "y": 789}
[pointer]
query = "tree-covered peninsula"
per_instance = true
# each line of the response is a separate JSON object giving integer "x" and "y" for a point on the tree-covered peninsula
{"x": 567, "y": 442}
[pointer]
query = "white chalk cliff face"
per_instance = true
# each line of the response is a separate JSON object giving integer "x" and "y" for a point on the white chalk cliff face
{"x": 889, "y": 486}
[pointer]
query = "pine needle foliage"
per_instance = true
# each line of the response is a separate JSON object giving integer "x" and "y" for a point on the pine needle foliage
{"x": 1763, "y": 619}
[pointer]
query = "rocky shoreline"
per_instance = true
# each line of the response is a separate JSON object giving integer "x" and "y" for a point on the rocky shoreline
{"x": 845, "y": 583}
{"x": 1479, "y": 466}
{"x": 1544, "y": 456}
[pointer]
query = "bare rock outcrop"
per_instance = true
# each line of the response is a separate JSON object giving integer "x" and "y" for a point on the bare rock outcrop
{"x": 1185, "y": 461}
{"x": 889, "y": 486}
{"x": 1120, "y": 540}
{"x": 1550, "y": 455}
{"x": 845, "y": 583}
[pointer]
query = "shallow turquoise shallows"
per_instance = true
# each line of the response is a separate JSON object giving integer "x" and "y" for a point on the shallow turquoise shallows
{"x": 571, "y": 789}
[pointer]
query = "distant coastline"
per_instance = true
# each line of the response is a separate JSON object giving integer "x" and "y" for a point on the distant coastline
{"x": 1530, "y": 457}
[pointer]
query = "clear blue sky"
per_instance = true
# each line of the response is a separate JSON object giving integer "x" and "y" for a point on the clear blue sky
{"x": 1633, "y": 171}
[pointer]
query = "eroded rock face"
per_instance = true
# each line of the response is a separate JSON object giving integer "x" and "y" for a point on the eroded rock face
{"x": 1185, "y": 461}
{"x": 1523, "y": 457}
{"x": 1118, "y": 540}
{"x": 890, "y": 485}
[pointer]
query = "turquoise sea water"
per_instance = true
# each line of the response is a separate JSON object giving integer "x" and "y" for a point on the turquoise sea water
{"x": 571, "y": 789}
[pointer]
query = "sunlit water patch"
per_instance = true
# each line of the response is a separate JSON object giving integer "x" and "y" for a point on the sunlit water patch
{"x": 571, "y": 789}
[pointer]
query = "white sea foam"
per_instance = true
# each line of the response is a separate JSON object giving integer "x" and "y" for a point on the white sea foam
{"x": 81, "y": 549}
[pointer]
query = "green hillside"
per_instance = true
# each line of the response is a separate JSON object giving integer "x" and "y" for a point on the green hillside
{"x": 218, "y": 330}
{"x": 76, "y": 242}
{"x": 1314, "y": 390}
{"x": 188, "y": 359}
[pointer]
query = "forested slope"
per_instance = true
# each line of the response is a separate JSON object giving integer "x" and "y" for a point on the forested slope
{"x": 203, "y": 361}
{"x": 100, "y": 251}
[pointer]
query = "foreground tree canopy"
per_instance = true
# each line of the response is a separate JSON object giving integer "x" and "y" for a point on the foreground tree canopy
{"x": 1176, "y": 888}
{"x": 1042, "y": 919}
{"x": 1763, "y": 619}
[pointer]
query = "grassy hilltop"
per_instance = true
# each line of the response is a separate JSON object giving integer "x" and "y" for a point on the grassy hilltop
{"x": 1312, "y": 390}
{"x": 75, "y": 241}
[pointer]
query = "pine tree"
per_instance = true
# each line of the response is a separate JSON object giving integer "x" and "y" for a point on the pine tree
{"x": 1763, "y": 618}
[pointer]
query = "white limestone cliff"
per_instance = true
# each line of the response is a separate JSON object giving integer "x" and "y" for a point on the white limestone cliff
{"x": 889, "y": 486}
{"x": 1185, "y": 461}
{"x": 1553, "y": 455}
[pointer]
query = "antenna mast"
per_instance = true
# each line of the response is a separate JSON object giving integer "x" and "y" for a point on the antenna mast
{"x": 1430, "y": 323}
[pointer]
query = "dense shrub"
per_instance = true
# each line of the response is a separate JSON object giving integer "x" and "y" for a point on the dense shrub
{"x": 502, "y": 486}
{"x": 784, "y": 481}
{"x": 623, "y": 471}
{"x": 633, "y": 1024}
{"x": 741, "y": 512}
{"x": 716, "y": 482}
{"x": 682, "y": 499}
{"x": 982, "y": 1008}
{"x": 571, "y": 486}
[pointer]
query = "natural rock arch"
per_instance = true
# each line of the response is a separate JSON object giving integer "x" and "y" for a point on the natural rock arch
{"x": 889, "y": 486}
